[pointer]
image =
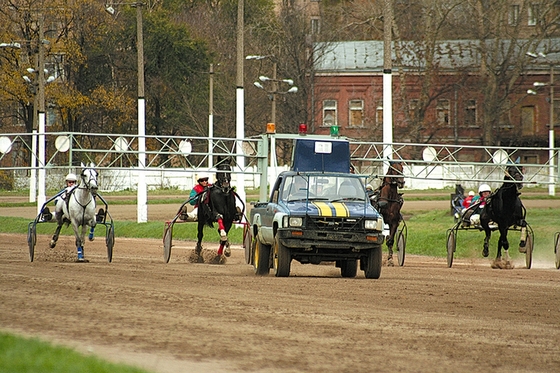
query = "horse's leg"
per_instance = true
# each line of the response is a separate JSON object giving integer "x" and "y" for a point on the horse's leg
{"x": 390, "y": 241}
{"x": 523, "y": 240}
{"x": 224, "y": 243}
{"x": 505, "y": 246}
{"x": 488, "y": 234}
{"x": 200, "y": 235}
{"x": 90, "y": 236}
{"x": 221, "y": 227}
{"x": 79, "y": 239}
{"x": 55, "y": 235}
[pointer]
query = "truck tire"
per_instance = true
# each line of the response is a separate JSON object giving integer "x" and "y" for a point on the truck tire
{"x": 373, "y": 261}
{"x": 282, "y": 259}
{"x": 261, "y": 258}
{"x": 348, "y": 268}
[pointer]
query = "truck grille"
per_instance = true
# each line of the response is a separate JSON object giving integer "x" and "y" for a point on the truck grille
{"x": 334, "y": 223}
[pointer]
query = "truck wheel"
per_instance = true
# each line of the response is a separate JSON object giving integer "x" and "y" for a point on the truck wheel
{"x": 348, "y": 268}
{"x": 373, "y": 261}
{"x": 261, "y": 258}
{"x": 282, "y": 259}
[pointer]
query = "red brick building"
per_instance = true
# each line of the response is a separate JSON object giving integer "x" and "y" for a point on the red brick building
{"x": 347, "y": 91}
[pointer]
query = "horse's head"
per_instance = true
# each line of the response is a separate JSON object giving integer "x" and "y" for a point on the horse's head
{"x": 89, "y": 178}
{"x": 223, "y": 175}
{"x": 395, "y": 173}
{"x": 514, "y": 172}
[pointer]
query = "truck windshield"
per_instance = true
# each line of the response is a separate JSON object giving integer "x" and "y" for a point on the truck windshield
{"x": 322, "y": 187}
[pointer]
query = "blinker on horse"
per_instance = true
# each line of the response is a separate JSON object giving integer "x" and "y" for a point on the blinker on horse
{"x": 388, "y": 201}
{"x": 505, "y": 209}
{"x": 78, "y": 209}
{"x": 217, "y": 205}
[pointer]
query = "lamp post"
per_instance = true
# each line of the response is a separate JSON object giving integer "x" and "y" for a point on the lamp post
{"x": 211, "y": 117}
{"x": 240, "y": 102}
{"x": 552, "y": 184}
{"x": 387, "y": 82}
{"x": 142, "y": 193}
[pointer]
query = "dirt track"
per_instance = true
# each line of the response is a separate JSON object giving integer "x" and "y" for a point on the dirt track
{"x": 184, "y": 317}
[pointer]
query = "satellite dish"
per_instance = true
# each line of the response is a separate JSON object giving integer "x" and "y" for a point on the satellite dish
{"x": 62, "y": 143}
{"x": 429, "y": 154}
{"x": 500, "y": 156}
{"x": 185, "y": 147}
{"x": 5, "y": 144}
{"x": 121, "y": 144}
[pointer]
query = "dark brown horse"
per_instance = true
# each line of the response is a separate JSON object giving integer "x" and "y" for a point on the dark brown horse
{"x": 388, "y": 201}
{"x": 505, "y": 209}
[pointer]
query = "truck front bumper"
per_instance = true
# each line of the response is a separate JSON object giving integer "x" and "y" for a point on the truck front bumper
{"x": 311, "y": 240}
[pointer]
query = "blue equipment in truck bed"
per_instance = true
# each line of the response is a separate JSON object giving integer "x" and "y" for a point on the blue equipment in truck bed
{"x": 326, "y": 155}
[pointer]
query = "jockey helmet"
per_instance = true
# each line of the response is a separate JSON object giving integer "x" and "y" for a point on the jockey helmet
{"x": 71, "y": 177}
{"x": 203, "y": 175}
{"x": 471, "y": 193}
{"x": 484, "y": 188}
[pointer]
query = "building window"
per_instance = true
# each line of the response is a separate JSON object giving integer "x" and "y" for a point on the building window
{"x": 556, "y": 113}
{"x": 315, "y": 25}
{"x": 412, "y": 109}
{"x": 442, "y": 112}
{"x": 513, "y": 17}
{"x": 527, "y": 120}
{"x": 329, "y": 113}
{"x": 55, "y": 66}
{"x": 534, "y": 14}
{"x": 356, "y": 112}
{"x": 470, "y": 113}
{"x": 379, "y": 113}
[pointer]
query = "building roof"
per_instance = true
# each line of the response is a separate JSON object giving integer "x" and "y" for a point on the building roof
{"x": 367, "y": 56}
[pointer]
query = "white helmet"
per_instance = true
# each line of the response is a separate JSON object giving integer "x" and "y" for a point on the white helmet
{"x": 484, "y": 188}
{"x": 203, "y": 175}
{"x": 71, "y": 177}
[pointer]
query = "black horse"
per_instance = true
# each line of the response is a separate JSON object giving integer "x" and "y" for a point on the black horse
{"x": 505, "y": 209}
{"x": 388, "y": 201}
{"x": 217, "y": 205}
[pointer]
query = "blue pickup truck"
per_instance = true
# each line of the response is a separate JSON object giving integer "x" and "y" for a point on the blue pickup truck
{"x": 317, "y": 212}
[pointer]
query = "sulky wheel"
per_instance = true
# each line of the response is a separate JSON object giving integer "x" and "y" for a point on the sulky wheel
{"x": 451, "y": 245}
{"x": 32, "y": 239}
{"x": 401, "y": 245}
{"x": 110, "y": 242}
{"x": 529, "y": 243}
{"x": 248, "y": 243}
{"x": 557, "y": 249}
{"x": 167, "y": 239}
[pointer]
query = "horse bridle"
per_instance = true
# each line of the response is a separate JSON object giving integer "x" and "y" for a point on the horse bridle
{"x": 88, "y": 181}
{"x": 512, "y": 178}
{"x": 394, "y": 180}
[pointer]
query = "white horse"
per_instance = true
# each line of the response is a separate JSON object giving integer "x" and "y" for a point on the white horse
{"x": 78, "y": 209}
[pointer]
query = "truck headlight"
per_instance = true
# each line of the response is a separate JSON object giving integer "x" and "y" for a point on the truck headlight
{"x": 295, "y": 222}
{"x": 374, "y": 224}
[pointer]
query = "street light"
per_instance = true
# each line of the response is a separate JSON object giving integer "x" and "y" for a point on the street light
{"x": 275, "y": 89}
{"x": 552, "y": 186}
{"x": 273, "y": 92}
{"x": 142, "y": 193}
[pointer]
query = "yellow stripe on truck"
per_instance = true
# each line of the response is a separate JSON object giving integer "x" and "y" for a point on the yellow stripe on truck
{"x": 336, "y": 209}
{"x": 341, "y": 209}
